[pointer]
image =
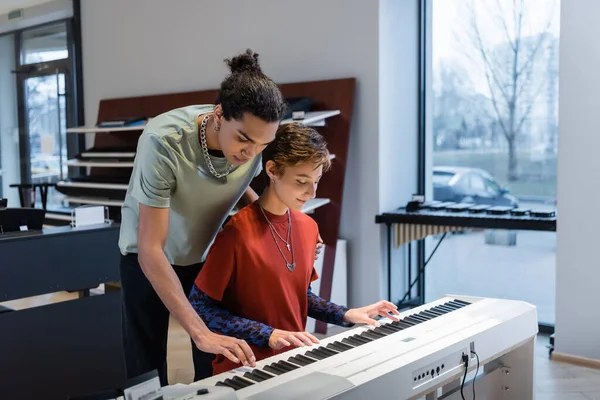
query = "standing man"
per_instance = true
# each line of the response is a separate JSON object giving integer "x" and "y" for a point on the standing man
{"x": 192, "y": 166}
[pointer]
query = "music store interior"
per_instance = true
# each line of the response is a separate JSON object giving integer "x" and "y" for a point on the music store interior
{"x": 456, "y": 132}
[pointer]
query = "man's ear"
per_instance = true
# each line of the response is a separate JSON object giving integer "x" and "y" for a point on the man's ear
{"x": 218, "y": 113}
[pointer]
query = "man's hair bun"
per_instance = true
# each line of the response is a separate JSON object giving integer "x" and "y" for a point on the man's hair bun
{"x": 245, "y": 62}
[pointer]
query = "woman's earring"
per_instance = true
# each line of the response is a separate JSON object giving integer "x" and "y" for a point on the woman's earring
{"x": 217, "y": 127}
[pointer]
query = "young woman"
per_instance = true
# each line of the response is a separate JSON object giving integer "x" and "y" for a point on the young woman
{"x": 192, "y": 166}
{"x": 255, "y": 284}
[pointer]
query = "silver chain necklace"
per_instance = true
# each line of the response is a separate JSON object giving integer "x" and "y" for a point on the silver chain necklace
{"x": 211, "y": 168}
{"x": 291, "y": 266}
{"x": 289, "y": 232}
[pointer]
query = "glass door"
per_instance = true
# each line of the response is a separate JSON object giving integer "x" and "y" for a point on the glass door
{"x": 46, "y": 125}
{"x": 45, "y": 88}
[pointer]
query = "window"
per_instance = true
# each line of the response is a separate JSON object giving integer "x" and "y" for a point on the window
{"x": 494, "y": 96}
{"x": 476, "y": 182}
{"x": 46, "y": 43}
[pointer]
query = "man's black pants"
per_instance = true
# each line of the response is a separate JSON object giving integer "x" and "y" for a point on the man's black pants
{"x": 145, "y": 321}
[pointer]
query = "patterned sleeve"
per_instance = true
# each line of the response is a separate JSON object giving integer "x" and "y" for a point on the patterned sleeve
{"x": 326, "y": 311}
{"x": 222, "y": 321}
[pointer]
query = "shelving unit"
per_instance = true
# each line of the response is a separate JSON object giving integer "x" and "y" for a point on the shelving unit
{"x": 109, "y": 162}
{"x": 112, "y": 195}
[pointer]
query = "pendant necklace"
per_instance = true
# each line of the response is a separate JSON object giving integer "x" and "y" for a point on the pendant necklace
{"x": 290, "y": 265}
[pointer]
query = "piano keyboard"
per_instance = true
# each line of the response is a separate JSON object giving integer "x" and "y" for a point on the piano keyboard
{"x": 317, "y": 352}
{"x": 401, "y": 359}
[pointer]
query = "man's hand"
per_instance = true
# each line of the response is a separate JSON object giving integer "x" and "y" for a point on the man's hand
{"x": 280, "y": 339}
{"x": 319, "y": 247}
{"x": 364, "y": 315}
{"x": 236, "y": 350}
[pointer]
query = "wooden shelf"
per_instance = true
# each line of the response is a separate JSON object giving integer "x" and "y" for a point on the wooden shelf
{"x": 94, "y": 201}
{"x": 96, "y": 129}
{"x": 313, "y": 118}
{"x": 93, "y": 185}
{"x": 100, "y": 154}
{"x": 100, "y": 164}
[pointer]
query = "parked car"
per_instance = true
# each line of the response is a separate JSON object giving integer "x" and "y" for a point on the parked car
{"x": 469, "y": 185}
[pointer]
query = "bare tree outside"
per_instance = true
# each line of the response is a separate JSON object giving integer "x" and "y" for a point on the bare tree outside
{"x": 514, "y": 69}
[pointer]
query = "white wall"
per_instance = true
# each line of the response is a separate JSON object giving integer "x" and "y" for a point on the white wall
{"x": 578, "y": 268}
{"x": 179, "y": 46}
{"x": 398, "y": 122}
{"x": 9, "y": 136}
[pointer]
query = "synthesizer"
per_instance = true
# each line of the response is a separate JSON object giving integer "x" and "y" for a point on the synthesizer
{"x": 428, "y": 352}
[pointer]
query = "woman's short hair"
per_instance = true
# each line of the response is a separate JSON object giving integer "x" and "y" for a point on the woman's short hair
{"x": 295, "y": 144}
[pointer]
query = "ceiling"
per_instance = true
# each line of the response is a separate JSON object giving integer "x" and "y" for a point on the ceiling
{"x": 9, "y": 5}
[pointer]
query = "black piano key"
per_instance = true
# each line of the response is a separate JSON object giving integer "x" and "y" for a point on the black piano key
{"x": 304, "y": 358}
{"x": 385, "y": 330}
{"x": 279, "y": 367}
{"x": 436, "y": 312}
{"x": 370, "y": 335}
{"x": 299, "y": 362}
{"x": 412, "y": 320}
{"x": 317, "y": 356}
{"x": 352, "y": 342}
{"x": 288, "y": 365}
{"x": 444, "y": 308}
{"x": 242, "y": 381}
{"x": 362, "y": 338}
{"x": 327, "y": 350}
{"x": 377, "y": 334}
{"x": 418, "y": 317}
{"x": 457, "y": 304}
{"x": 429, "y": 314}
{"x": 254, "y": 377}
{"x": 324, "y": 352}
{"x": 401, "y": 324}
{"x": 220, "y": 383}
{"x": 274, "y": 370}
{"x": 451, "y": 306}
{"x": 262, "y": 374}
{"x": 447, "y": 308}
{"x": 233, "y": 384}
{"x": 339, "y": 346}
{"x": 466, "y": 303}
{"x": 390, "y": 328}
